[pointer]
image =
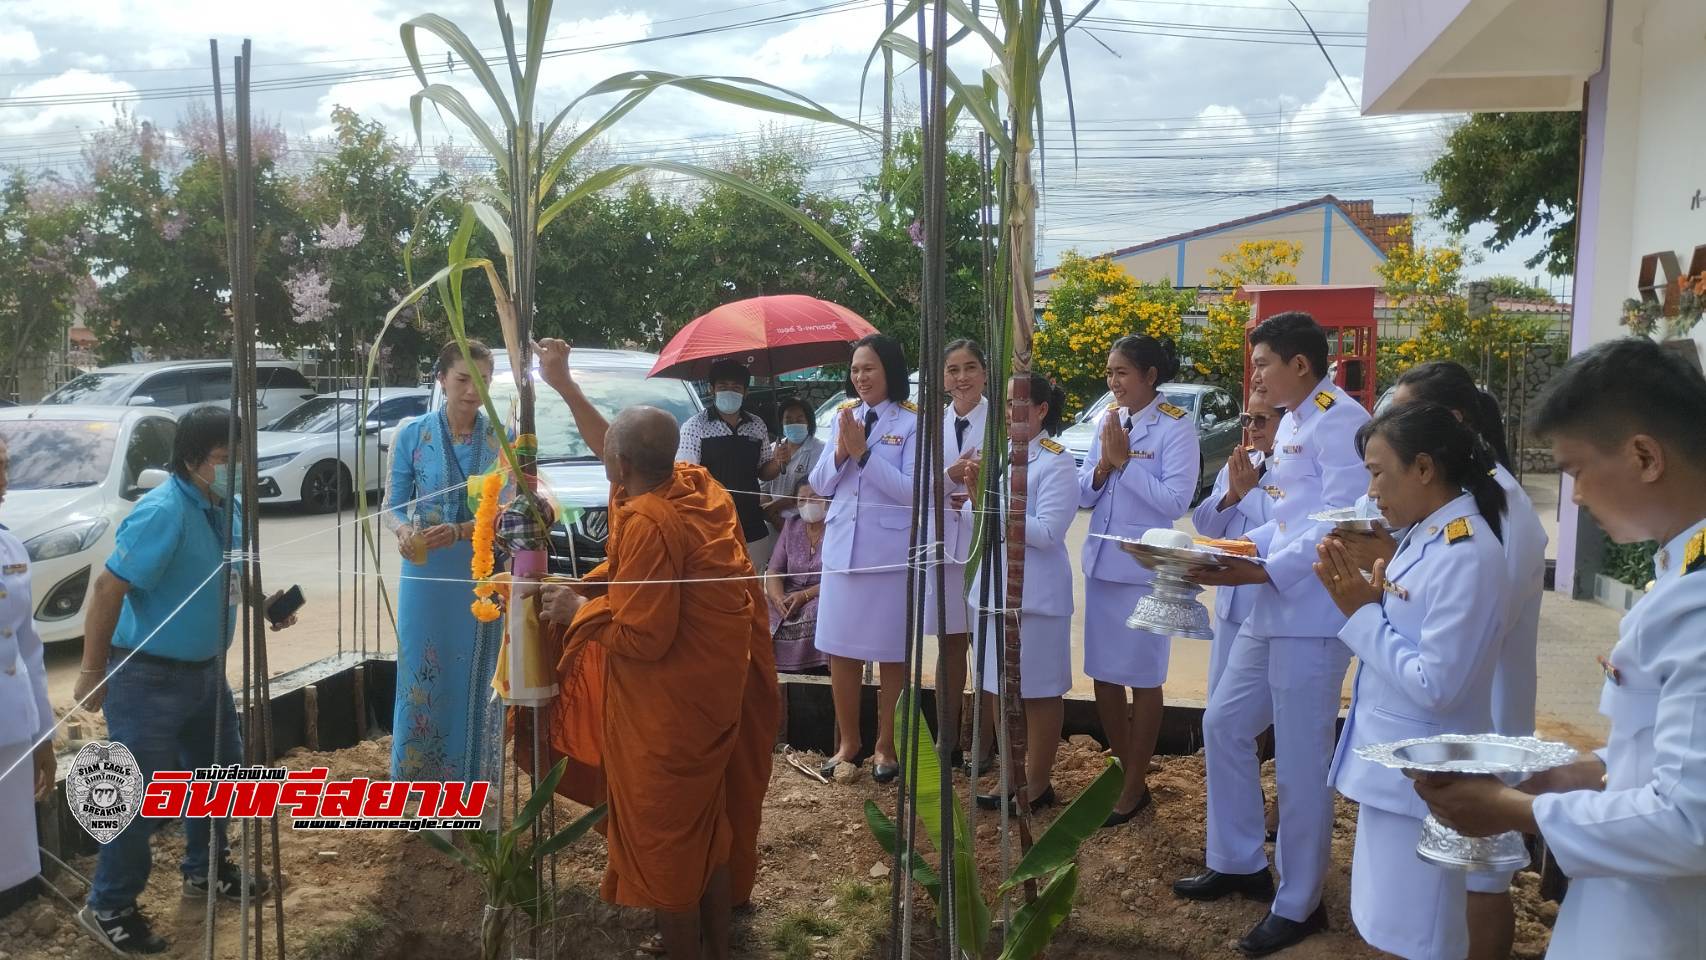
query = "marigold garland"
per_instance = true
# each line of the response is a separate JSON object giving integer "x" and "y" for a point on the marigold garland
{"x": 485, "y": 531}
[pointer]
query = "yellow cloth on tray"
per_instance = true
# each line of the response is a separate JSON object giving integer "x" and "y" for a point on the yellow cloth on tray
{"x": 523, "y": 653}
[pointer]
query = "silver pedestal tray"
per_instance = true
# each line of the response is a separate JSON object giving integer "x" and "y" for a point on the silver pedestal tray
{"x": 1172, "y": 607}
{"x": 1353, "y": 519}
{"x": 1512, "y": 759}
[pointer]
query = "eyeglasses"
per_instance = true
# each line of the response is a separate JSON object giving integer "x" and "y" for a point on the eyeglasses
{"x": 1257, "y": 420}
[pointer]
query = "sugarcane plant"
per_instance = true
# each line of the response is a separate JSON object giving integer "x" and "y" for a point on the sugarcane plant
{"x": 506, "y": 864}
{"x": 1020, "y": 40}
{"x": 1050, "y": 862}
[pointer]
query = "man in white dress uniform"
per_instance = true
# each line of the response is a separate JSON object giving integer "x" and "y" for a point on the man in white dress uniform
{"x": 1287, "y": 665}
{"x": 1627, "y": 422}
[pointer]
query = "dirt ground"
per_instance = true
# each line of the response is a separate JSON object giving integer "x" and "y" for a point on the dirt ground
{"x": 822, "y": 894}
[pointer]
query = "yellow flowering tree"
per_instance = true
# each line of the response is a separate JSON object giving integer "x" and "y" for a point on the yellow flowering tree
{"x": 1218, "y": 353}
{"x": 1094, "y": 303}
{"x": 1423, "y": 289}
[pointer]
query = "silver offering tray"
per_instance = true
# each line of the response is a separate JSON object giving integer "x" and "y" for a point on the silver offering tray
{"x": 1172, "y": 607}
{"x": 1510, "y": 758}
{"x": 1352, "y": 519}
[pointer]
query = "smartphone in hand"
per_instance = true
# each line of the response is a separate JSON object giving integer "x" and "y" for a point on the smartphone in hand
{"x": 285, "y": 606}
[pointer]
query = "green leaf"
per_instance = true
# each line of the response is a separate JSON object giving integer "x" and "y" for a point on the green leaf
{"x": 571, "y": 833}
{"x": 589, "y": 185}
{"x": 882, "y": 828}
{"x": 1058, "y": 846}
{"x": 446, "y": 847}
{"x": 1060, "y": 35}
{"x": 467, "y": 52}
{"x": 1034, "y": 923}
{"x": 971, "y": 98}
{"x": 969, "y": 909}
{"x": 495, "y": 225}
{"x": 538, "y": 25}
{"x": 750, "y": 189}
{"x": 450, "y": 99}
{"x": 543, "y": 792}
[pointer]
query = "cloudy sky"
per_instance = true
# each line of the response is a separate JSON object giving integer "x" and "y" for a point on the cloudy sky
{"x": 1189, "y": 113}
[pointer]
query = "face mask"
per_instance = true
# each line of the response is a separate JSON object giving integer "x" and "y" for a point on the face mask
{"x": 221, "y": 483}
{"x": 813, "y": 511}
{"x": 729, "y": 401}
{"x": 794, "y": 433}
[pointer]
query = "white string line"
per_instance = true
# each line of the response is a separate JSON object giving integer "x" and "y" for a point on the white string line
{"x": 880, "y": 568}
{"x": 78, "y": 705}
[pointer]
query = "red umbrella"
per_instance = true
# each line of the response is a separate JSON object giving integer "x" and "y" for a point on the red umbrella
{"x": 770, "y": 335}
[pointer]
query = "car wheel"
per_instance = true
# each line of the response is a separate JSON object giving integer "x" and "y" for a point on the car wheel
{"x": 326, "y": 487}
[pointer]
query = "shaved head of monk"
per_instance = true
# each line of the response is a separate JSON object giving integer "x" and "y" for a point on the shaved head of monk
{"x": 639, "y": 450}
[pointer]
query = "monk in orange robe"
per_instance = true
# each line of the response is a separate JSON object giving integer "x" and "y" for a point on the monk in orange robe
{"x": 669, "y": 693}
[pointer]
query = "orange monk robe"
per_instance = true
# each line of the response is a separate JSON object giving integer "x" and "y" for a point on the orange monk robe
{"x": 665, "y": 716}
{"x": 749, "y": 768}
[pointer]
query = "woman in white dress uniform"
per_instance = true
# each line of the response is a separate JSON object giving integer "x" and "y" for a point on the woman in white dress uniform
{"x": 1492, "y": 916}
{"x": 866, "y": 472}
{"x": 965, "y": 373}
{"x": 26, "y": 716}
{"x": 1045, "y": 621}
{"x": 1426, "y": 635}
{"x": 1139, "y": 474}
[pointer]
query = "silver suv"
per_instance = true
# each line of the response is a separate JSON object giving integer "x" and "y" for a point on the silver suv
{"x": 183, "y": 385}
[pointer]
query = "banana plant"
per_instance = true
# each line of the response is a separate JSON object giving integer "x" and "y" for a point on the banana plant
{"x": 506, "y": 864}
{"x": 1051, "y": 859}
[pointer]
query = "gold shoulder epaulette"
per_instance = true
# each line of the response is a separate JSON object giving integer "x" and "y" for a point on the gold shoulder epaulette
{"x": 1170, "y": 410}
{"x": 1457, "y": 530}
{"x": 1694, "y": 555}
{"x": 1325, "y": 400}
{"x": 850, "y": 404}
{"x": 1050, "y": 445}
{"x": 909, "y": 406}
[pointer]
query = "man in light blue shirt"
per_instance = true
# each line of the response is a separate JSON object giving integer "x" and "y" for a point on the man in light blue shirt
{"x": 154, "y": 633}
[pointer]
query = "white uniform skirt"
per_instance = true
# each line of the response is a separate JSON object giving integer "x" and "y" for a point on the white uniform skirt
{"x": 954, "y": 576}
{"x": 1045, "y": 657}
{"x": 1114, "y": 652}
{"x": 1400, "y": 903}
{"x": 862, "y": 616}
{"x": 19, "y": 859}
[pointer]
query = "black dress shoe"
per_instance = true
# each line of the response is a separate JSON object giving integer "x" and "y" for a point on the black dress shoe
{"x": 1117, "y": 818}
{"x": 978, "y": 769}
{"x": 885, "y": 772}
{"x": 1212, "y": 885}
{"x": 989, "y": 801}
{"x": 1275, "y": 933}
{"x": 828, "y": 768}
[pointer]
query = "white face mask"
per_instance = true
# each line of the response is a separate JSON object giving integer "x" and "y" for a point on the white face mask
{"x": 729, "y": 402}
{"x": 813, "y": 511}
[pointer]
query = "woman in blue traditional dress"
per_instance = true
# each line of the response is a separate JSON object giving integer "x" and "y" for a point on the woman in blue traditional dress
{"x": 445, "y": 722}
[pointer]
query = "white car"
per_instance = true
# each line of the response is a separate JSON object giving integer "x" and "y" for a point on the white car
{"x": 75, "y": 474}
{"x": 182, "y": 385}
{"x": 309, "y": 456}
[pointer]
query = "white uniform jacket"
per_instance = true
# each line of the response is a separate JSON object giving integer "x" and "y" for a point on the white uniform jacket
{"x": 1051, "y": 503}
{"x": 25, "y": 713}
{"x": 1152, "y": 490}
{"x": 957, "y": 528}
{"x": 1635, "y": 852}
{"x": 1525, "y": 565}
{"x": 1256, "y": 508}
{"x": 870, "y": 510}
{"x": 1315, "y": 467}
{"x": 1426, "y": 654}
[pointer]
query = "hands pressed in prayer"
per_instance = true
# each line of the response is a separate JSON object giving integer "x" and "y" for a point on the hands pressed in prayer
{"x": 1344, "y": 581}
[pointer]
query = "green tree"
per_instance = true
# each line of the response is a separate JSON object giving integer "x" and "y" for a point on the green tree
{"x": 609, "y": 268}
{"x": 43, "y": 275}
{"x": 157, "y": 243}
{"x": 1517, "y": 173}
{"x": 1094, "y": 303}
{"x": 1217, "y": 347}
{"x": 1506, "y": 287}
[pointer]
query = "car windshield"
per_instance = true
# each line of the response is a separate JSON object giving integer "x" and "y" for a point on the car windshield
{"x": 319, "y": 415}
{"x": 57, "y": 454}
{"x": 92, "y": 388}
{"x": 610, "y": 391}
